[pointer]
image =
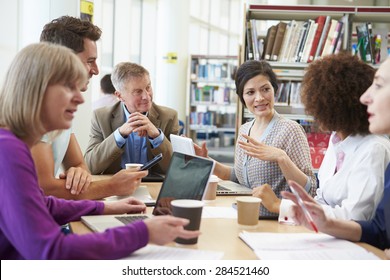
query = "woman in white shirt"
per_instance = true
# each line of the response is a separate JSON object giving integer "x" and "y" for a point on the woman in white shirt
{"x": 351, "y": 176}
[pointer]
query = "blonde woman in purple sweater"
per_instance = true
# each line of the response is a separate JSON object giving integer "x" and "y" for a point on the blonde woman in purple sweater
{"x": 40, "y": 94}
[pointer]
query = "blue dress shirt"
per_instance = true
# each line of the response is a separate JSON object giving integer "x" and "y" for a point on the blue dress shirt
{"x": 135, "y": 146}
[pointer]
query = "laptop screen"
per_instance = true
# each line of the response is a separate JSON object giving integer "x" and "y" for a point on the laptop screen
{"x": 186, "y": 178}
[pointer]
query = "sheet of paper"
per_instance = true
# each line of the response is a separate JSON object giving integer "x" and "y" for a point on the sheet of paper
{"x": 283, "y": 246}
{"x": 354, "y": 254}
{"x": 219, "y": 212}
{"x": 154, "y": 252}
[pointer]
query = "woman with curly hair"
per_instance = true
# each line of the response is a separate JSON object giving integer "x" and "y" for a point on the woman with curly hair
{"x": 351, "y": 176}
{"x": 375, "y": 231}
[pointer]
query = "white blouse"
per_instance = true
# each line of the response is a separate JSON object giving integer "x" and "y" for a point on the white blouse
{"x": 354, "y": 191}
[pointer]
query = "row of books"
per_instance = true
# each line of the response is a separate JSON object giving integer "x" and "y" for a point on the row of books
{"x": 297, "y": 41}
{"x": 368, "y": 46}
{"x": 211, "y": 69}
{"x": 212, "y": 94}
{"x": 289, "y": 93}
{"x": 212, "y": 118}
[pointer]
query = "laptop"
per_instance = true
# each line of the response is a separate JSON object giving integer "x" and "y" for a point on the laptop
{"x": 231, "y": 188}
{"x": 182, "y": 144}
{"x": 187, "y": 178}
{"x": 153, "y": 177}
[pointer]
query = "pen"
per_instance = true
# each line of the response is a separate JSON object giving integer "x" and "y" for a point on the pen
{"x": 304, "y": 209}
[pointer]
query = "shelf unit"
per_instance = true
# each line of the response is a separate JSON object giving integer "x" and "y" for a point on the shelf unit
{"x": 292, "y": 73}
{"x": 212, "y": 101}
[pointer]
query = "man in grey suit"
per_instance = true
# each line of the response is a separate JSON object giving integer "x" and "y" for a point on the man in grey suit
{"x": 134, "y": 129}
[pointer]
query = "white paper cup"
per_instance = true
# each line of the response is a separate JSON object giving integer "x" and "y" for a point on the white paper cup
{"x": 133, "y": 166}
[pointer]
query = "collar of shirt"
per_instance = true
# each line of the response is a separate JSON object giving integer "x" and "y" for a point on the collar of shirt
{"x": 348, "y": 145}
{"x": 127, "y": 113}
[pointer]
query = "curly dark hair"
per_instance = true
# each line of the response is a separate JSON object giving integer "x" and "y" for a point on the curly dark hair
{"x": 250, "y": 69}
{"x": 331, "y": 89}
{"x": 70, "y": 32}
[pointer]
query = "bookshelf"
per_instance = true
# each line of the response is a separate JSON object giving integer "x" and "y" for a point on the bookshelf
{"x": 260, "y": 27}
{"x": 212, "y": 102}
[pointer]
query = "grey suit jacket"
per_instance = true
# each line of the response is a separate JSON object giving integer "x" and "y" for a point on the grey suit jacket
{"x": 103, "y": 155}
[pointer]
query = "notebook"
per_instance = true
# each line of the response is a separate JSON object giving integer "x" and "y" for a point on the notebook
{"x": 182, "y": 145}
{"x": 179, "y": 183}
{"x": 231, "y": 188}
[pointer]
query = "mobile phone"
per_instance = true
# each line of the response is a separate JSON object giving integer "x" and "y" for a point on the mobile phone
{"x": 152, "y": 162}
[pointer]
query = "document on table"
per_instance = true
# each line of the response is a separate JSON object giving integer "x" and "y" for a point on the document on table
{"x": 154, "y": 252}
{"x": 303, "y": 246}
{"x": 219, "y": 212}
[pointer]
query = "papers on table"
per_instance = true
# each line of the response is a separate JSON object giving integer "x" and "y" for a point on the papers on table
{"x": 219, "y": 212}
{"x": 303, "y": 246}
{"x": 154, "y": 252}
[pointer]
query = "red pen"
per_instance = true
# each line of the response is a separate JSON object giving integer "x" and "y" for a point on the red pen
{"x": 304, "y": 209}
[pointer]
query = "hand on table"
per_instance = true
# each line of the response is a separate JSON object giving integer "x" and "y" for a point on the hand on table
{"x": 126, "y": 181}
{"x": 268, "y": 198}
{"x": 77, "y": 180}
{"x": 124, "y": 206}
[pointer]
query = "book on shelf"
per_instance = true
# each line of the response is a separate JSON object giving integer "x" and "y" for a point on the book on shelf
{"x": 301, "y": 36}
{"x": 255, "y": 42}
{"x": 286, "y": 40}
{"x": 329, "y": 38}
{"x": 371, "y": 42}
{"x": 364, "y": 45}
{"x": 289, "y": 57}
{"x": 324, "y": 35}
{"x": 249, "y": 45}
{"x": 336, "y": 36}
{"x": 309, "y": 42}
{"x": 269, "y": 42}
{"x": 283, "y": 93}
{"x": 302, "y": 40}
{"x": 295, "y": 94}
{"x": 280, "y": 31}
{"x": 320, "y": 21}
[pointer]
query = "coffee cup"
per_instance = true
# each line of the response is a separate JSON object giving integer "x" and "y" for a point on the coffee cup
{"x": 189, "y": 209}
{"x": 133, "y": 166}
{"x": 248, "y": 208}
{"x": 211, "y": 190}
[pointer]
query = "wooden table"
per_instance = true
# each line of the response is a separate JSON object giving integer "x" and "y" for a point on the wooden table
{"x": 222, "y": 234}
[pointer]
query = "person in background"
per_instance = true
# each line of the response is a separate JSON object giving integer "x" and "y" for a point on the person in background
{"x": 108, "y": 97}
{"x": 351, "y": 176}
{"x": 46, "y": 102}
{"x": 270, "y": 149}
{"x": 49, "y": 155}
{"x": 135, "y": 129}
{"x": 375, "y": 231}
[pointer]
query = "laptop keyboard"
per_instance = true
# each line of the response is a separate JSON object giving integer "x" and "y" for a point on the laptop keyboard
{"x": 220, "y": 188}
{"x": 129, "y": 219}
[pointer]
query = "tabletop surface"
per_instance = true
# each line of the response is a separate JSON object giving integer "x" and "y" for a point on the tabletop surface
{"x": 223, "y": 234}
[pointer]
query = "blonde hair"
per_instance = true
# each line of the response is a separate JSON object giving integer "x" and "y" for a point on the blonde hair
{"x": 34, "y": 68}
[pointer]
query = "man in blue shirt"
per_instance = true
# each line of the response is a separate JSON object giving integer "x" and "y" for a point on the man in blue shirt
{"x": 133, "y": 130}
